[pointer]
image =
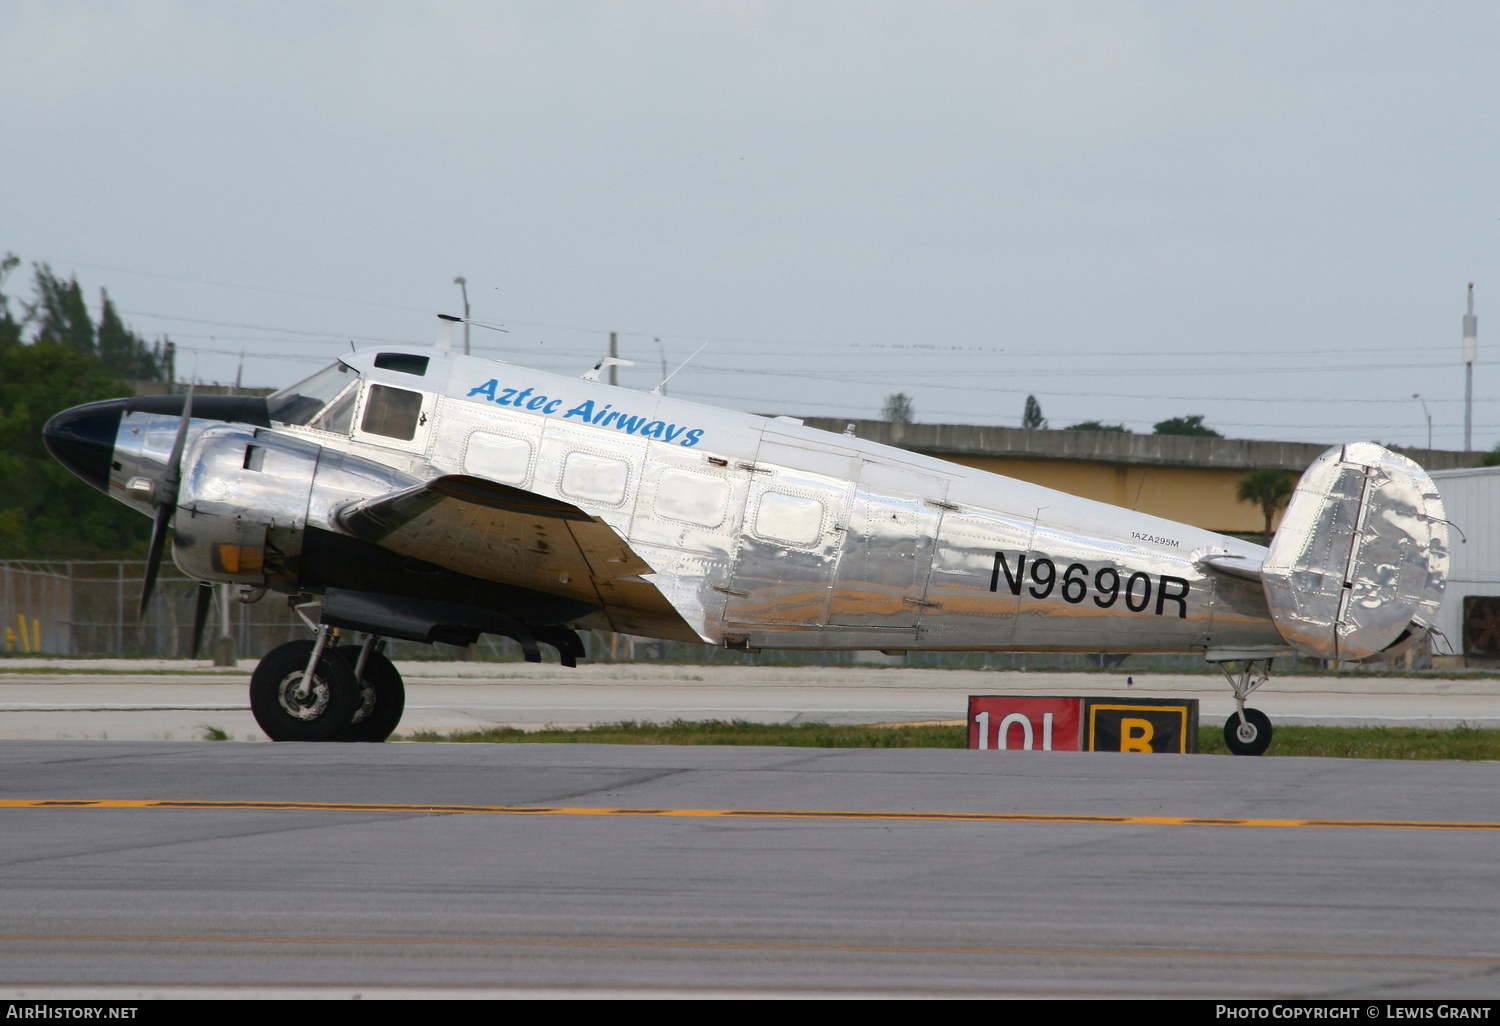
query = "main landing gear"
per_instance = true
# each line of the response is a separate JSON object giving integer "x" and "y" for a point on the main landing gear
{"x": 1248, "y": 731}
{"x": 314, "y": 691}
{"x": 320, "y": 690}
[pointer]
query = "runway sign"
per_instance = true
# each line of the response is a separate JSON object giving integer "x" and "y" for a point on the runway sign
{"x": 1140, "y": 725}
{"x": 1004, "y": 722}
{"x": 1055, "y": 724}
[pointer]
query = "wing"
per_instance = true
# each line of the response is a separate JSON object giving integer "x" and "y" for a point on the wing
{"x": 499, "y": 533}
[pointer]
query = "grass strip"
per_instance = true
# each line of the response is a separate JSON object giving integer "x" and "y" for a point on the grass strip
{"x": 718, "y": 732}
{"x": 1462, "y": 743}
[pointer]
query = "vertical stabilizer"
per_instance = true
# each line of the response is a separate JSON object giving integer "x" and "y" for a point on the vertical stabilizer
{"x": 1361, "y": 554}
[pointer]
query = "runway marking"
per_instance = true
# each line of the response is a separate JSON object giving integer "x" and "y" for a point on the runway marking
{"x": 917, "y": 949}
{"x": 559, "y": 810}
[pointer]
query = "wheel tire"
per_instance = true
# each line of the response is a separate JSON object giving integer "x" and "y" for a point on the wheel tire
{"x": 329, "y": 708}
{"x": 382, "y": 697}
{"x": 1252, "y": 737}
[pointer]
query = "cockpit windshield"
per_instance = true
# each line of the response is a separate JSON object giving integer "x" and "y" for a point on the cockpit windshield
{"x": 300, "y": 403}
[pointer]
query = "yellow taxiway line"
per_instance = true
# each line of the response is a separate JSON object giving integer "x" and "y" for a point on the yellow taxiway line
{"x": 852, "y": 814}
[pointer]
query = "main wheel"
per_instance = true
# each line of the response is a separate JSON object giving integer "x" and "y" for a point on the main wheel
{"x": 285, "y": 715}
{"x": 1252, "y": 737}
{"x": 382, "y": 697}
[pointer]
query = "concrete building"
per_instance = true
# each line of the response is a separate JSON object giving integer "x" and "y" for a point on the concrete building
{"x": 1184, "y": 478}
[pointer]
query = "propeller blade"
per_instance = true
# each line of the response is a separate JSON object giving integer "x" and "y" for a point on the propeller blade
{"x": 172, "y": 479}
{"x": 153, "y": 553}
{"x": 200, "y": 615}
{"x": 166, "y": 502}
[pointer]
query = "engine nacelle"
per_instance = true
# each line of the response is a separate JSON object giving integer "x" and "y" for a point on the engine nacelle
{"x": 243, "y": 504}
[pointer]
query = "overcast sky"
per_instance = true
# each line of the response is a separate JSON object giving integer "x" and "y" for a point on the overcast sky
{"x": 1266, "y": 213}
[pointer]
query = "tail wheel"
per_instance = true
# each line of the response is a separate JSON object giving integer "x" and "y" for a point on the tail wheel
{"x": 382, "y": 697}
{"x": 1251, "y": 737}
{"x": 288, "y": 710}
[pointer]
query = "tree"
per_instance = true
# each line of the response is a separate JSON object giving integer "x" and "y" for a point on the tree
{"x": 1094, "y": 425}
{"x": 46, "y": 512}
{"x": 10, "y": 328}
{"x": 1491, "y": 458}
{"x": 1186, "y": 426}
{"x": 60, "y": 313}
{"x": 1032, "y": 417}
{"x": 122, "y": 352}
{"x": 1269, "y": 488}
{"x": 898, "y": 409}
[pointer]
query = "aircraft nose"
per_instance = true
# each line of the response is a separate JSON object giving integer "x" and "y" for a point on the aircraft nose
{"x": 83, "y": 440}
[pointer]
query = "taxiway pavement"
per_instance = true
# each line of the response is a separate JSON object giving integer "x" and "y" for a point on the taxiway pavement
{"x": 161, "y": 700}
{"x": 227, "y": 899}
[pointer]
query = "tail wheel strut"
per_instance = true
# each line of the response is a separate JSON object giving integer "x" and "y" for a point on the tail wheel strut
{"x": 1247, "y": 731}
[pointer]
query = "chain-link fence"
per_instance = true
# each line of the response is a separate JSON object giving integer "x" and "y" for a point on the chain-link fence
{"x": 80, "y": 608}
{"x": 91, "y": 608}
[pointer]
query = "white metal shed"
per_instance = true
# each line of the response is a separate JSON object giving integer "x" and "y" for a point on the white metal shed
{"x": 1470, "y": 614}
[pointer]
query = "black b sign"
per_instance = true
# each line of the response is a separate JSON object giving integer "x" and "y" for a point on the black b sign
{"x": 1140, "y": 725}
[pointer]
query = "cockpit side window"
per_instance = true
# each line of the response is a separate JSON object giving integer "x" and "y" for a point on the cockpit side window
{"x": 300, "y": 403}
{"x": 339, "y": 416}
{"x": 392, "y": 412}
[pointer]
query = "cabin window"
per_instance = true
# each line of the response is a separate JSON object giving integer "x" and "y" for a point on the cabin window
{"x": 403, "y": 362}
{"x": 795, "y": 519}
{"x": 599, "y": 478}
{"x": 696, "y": 498}
{"x": 497, "y": 458}
{"x": 392, "y": 412}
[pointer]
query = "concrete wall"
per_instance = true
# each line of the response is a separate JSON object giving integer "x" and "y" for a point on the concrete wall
{"x": 1187, "y": 479}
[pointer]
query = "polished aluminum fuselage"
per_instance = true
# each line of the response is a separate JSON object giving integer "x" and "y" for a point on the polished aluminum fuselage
{"x": 761, "y": 533}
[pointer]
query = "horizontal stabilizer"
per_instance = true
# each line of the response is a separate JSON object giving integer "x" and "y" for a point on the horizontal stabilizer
{"x": 1231, "y": 563}
{"x": 1361, "y": 554}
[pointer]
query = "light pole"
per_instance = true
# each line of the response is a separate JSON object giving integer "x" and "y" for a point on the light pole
{"x": 1471, "y": 333}
{"x": 463, "y": 283}
{"x": 1418, "y": 397}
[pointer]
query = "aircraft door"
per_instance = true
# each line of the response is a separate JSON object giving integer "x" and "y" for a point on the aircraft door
{"x": 397, "y": 418}
{"x": 888, "y": 546}
{"x": 789, "y": 548}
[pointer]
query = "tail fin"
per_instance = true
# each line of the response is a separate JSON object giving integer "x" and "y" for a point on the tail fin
{"x": 1361, "y": 557}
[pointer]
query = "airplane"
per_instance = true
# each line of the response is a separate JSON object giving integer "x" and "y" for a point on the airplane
{"x": 414, "y": 493}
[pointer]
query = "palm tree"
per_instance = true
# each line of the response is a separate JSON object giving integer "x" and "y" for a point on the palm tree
{"x": 1269, "y": 488}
